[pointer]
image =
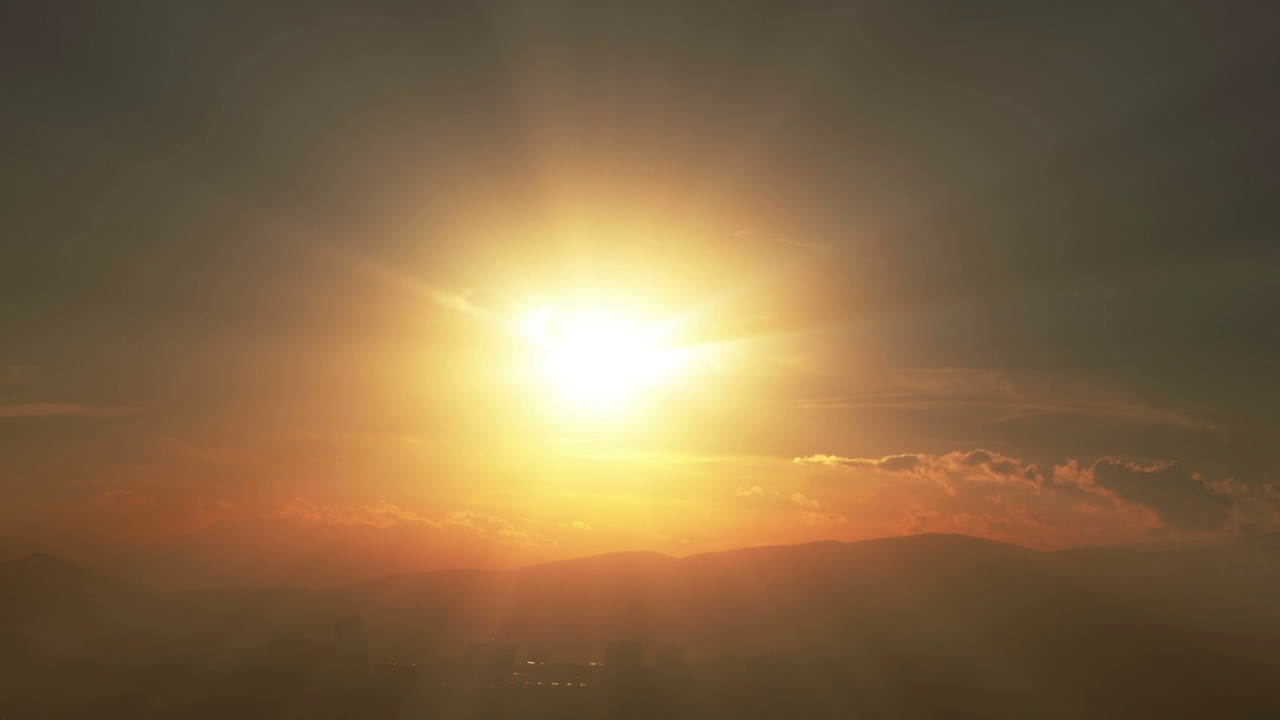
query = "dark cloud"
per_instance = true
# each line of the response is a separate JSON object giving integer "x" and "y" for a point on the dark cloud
{"x": 1182, "y": 500}
{"x": 1000, "y": 466}
{"x": 974, "y": 465}
{"x": 986, "y": 493}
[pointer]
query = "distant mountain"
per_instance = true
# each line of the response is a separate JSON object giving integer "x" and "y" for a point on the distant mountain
{"x": 58, "y": 604}
{"x": 749, "y": 600}
{"x": 41, "y": 574}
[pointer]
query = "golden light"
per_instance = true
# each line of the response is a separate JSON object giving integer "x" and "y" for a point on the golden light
{"x": 600, "y": 360}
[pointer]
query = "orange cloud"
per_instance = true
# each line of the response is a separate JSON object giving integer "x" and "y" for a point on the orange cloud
{"x": 381, "y": 514}
{"x": 384, "y": 514}
{"x": 210, "y": 511}
{"x": 805, "y": 502}
{"x": 126, "y": 498}
{"x": 491, "y": 526}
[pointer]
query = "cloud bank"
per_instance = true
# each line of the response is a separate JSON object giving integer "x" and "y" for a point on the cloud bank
{"x": 986, "y": 493}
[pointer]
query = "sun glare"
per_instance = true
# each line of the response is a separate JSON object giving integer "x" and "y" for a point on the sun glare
{"x": 599, "y": 360}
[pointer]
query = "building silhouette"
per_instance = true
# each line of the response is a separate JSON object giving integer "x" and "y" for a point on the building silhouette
{"x": 349, "y": 638}
{"x": 490, "y": 660}
{"x": 622, "y": 658}
{"x": 538, "y": 655}
{"x": 670, "y": 660}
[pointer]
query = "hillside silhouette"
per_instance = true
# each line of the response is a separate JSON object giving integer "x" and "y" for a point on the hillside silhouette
{"x": 925, "y": 624}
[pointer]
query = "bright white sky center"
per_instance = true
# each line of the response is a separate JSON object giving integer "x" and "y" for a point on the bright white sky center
{"x": 599, "y": 360}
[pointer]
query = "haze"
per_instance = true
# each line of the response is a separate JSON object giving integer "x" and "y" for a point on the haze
{"x": 934, "y": 346}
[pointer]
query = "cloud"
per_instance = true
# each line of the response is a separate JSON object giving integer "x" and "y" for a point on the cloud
{"x": 384, "y": 514}
{"x": 456, "y": 301}
{"x": 810, "y": 509}
{"x": 125, "y": 498}
{"x": 391, "y": 276}
{"x": 800, "y": 243}
{"x": 492, "y": 526}
{"x": 805, "y": 502}
{"x": 918, "y": 519}
{"x": 888, "y": 463}
{"x": 1181, "y": 499}
{"x": 986, "y": 493}
{"x": 213, "y": 510}
{"x": 60, "y": 409}
{"x": 381, "y": 514}
{"x": 766, "y": 236}
{"x": 821, "y": 518}
{"x": 388, "y": 512}
{"x": 1000, "y": 399}
{"x": 980, "y": 466}
{"x": 576, "y": 525}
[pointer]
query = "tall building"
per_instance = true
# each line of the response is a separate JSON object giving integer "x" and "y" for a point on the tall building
{"x": 539, "y": 655}
{"x": 492, "y": 656}
{"x": 349, "y": 638}
{"x": 670, "y": 660}
{"x": 622, "y": 657}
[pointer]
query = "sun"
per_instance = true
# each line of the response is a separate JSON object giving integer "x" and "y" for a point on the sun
{"x": 600, "y": 360}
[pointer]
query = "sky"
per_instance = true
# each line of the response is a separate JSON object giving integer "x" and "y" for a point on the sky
{"x": 271, "y": 279}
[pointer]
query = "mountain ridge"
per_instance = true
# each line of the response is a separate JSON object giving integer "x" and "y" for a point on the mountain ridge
{"x": 58, "y": 574}
{"x": 831, "y": 596}
{"x": 47, "y": 562}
